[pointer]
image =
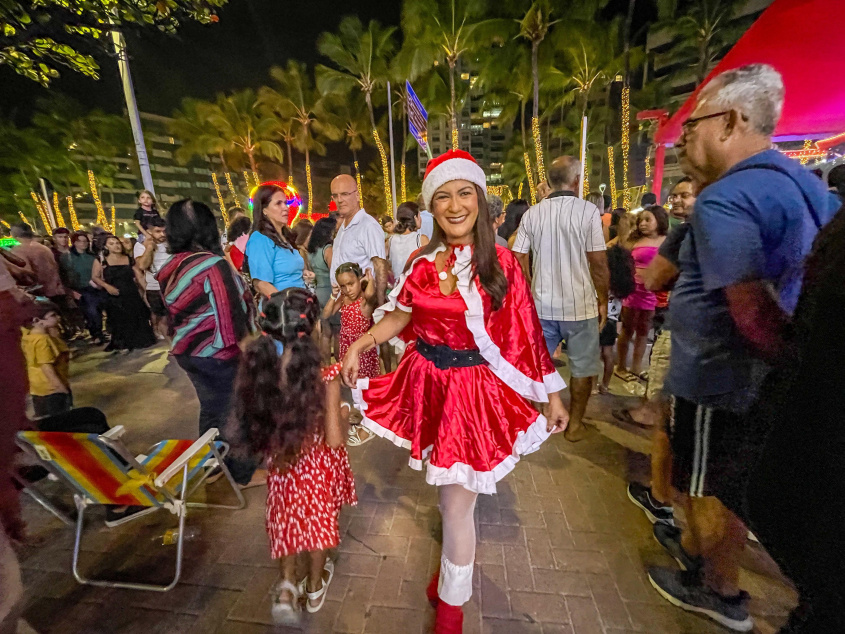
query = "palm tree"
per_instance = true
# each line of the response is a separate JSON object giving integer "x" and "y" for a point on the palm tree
{"x": 534, "y": 27}
{"x": 704, "y": 30}
{"x": 506, "y": 81}
{"x": 302, "y": 103}
{"x": 445, "y": 31}
{"x": 246, "y": 129}
{"x": 197, "y": 136}
{"x": 361, "y": 56}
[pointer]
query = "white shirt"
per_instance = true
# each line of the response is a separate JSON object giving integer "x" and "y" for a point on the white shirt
{"x": 426, "y": 223}
{"x": 159, "y": 258}
{"x": 401, "y": 248}
{"x": 560, "y": 231}
{"x": 360, "y": 241}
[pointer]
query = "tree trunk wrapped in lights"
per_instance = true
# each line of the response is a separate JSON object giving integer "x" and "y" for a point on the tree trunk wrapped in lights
{"x": 232, "y": 190}
{"x": 220, "y": 199}
{"x": 74, "y": 221}
{"x": 626, "y": 122}
{"x": 532, "y": 189}
{"x": 612, "y": 168}
{"x": 308, "y": 182}
{"x": 538, "y": 149}
{"x": 385, "y": 173}
{"x": 101, "y": 213}
{"x": 41, "y": 213}
{"x": 403, "y": 188}
{"x": 60, "y": 220}
{"x": 360, "y": 191}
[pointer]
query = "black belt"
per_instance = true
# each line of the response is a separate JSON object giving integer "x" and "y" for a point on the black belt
{"x": 443, "y": 357}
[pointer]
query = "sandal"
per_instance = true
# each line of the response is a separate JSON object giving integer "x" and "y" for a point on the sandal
{"x": 642, "y": 376}
{"x": 355, "y": 440}
{"x": 627, "y": 376}
{"x": 285, "y": 612}
{"x": 319, "y": 594}
{"x": 624, "y": 416}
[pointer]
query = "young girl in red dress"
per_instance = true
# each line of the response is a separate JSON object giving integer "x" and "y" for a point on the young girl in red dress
{"x": 459, "y": 400}
{"x": 288, "y": 409}
{"x": 354, "y": 296}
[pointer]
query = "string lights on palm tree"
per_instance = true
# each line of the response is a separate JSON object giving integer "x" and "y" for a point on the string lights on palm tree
{"x": 538, "y": 149}
{"x": 626, "y": 122}
{"x": 385, "y": 174}
{"x": 101, "y": 213}
{"x": 41, "y": 212}
{"x": 360, "y": 191}
{"x": 531, "y": 187}
{"x": 59, "y": 218}
{"x": 232, "y": 190}
{"x": 74, "y": 221}
{"x": 612, "y": 168}
{"x": 220, "y": 199}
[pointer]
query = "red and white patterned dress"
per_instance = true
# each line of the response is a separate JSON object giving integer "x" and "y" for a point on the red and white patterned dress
{"x": 463, "y": 425}
{"x": 304, "y": 501}
{"x": 353, "y": 325}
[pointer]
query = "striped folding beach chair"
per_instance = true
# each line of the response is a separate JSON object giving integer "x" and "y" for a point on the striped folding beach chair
{"x": 100, "y": 470}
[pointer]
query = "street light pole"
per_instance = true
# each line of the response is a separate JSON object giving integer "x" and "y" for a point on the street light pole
{"x": 132, "y": 107}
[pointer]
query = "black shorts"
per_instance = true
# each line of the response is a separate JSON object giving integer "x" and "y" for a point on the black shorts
{"x": 156, "y": 302}
{"x": 712, "y": 452}
{"x": 607, "y": 337}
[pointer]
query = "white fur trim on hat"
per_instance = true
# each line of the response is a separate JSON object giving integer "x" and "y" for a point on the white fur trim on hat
{"x": 452, "y": 170}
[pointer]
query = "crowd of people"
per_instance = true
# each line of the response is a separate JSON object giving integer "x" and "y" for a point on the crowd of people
{"x": 440, "y": 331}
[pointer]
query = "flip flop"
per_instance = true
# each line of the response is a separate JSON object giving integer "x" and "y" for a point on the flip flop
{"x": 627, "y": 377}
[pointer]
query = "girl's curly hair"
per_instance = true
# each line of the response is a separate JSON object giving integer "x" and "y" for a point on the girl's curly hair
{"x": 280, "y": 400}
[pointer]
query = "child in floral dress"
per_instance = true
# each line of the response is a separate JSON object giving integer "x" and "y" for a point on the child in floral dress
{"x": 288, "y": 409}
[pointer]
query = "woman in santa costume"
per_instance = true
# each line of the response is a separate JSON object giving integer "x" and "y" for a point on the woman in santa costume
{"x": 475, "y": 357}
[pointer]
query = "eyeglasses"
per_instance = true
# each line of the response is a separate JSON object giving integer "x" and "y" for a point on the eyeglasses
{"x": 342, "y": 195}
{"x": 690, "y": 124}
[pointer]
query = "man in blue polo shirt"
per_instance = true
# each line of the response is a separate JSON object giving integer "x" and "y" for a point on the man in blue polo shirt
{"x": 740, "y": 277}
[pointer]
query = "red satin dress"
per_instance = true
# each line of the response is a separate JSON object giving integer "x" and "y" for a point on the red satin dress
{"x": 466, "y": 425}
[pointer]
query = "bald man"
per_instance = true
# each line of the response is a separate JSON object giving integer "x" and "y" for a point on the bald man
{"x": 360, "y": 238}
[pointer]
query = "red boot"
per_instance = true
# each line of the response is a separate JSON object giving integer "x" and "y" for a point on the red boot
{"x": 431, "y": 590}
{"x": 449, "y": 619}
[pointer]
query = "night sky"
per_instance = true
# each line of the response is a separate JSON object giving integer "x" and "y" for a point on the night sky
{"x": 235, "y": 53}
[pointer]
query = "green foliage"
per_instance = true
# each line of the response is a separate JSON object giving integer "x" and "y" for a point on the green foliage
{"x": 63, "y": 142}
{"x": 39, "y": 37}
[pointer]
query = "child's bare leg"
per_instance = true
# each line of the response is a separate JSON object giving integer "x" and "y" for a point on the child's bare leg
{"x": 607, "y": 359}
{"x": 317, "y": 575}
{"x": 287, "y": 567}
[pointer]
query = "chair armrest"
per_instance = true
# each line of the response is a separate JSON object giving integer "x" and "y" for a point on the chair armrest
{"x": 179, "y": 464}
{"x": 114, "y": 433}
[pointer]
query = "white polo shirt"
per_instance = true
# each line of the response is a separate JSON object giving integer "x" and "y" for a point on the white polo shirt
{"x": 360, "y": 241}
{"x": 560, "y": 230}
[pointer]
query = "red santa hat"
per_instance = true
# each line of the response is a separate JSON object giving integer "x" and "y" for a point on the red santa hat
{"x": 454, "y": 165}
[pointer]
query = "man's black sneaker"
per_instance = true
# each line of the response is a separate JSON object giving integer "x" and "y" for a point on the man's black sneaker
{"x": 656, "y": 512}
{"x": 686, "y": 591}
{"x": 670, "y": 538}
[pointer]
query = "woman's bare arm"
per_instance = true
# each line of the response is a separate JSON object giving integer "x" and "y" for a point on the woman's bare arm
{"x": 335, "y": 421}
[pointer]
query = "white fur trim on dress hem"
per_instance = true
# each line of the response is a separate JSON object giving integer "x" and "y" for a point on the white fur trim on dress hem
{"x": 527, "y": 442}
{"x": 533, "y": 390}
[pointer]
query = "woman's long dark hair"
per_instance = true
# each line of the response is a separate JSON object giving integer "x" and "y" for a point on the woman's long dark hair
{"x": 276, "y": 413}
{"x": 620, "y": 262}
{"x": 322, "y": 234}
{"x": 485, "y": 261}
{"x": 191, "y": 227}
{"x": 513, "y": 217}
{"x": 261, "y": 223}
{"x": 406, "y": 217}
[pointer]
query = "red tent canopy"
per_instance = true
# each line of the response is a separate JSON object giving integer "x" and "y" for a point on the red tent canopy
{"x": 805, "y": 41}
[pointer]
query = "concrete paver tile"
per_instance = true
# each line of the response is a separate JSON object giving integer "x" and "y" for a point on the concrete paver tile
{"x": 489, "y": 554}
{"x": 497, "y": 534}
{"x": 353, "y": 613}
{"x": 561, "y": 581}
{"x": 612, "y": 609}
{"x": 392, "y": 619}
{"x": 584, "y": 615}
{"x": 358, "y": 565}
{"x": 544, "y": 608}
{"x": 580, "y": 560}
{"x": 518, "y": 568}
{"x": 494, "y": 599}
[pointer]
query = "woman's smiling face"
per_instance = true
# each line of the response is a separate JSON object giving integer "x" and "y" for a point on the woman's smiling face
{"x": 455, "y": 208}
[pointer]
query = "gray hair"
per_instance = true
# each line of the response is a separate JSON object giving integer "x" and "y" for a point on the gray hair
{"x": 495, "y": 206}
{"x": 563, "y": 171}
{"x": 755, "y": 90}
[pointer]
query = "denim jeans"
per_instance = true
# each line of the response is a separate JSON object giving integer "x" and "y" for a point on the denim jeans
{"x": 91, "y": 304}
{"x": 52, "y": 404}
{"x": 214, "y": 381}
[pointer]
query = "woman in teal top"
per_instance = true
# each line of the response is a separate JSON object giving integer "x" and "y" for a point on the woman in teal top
{"x": 273, "y": 261}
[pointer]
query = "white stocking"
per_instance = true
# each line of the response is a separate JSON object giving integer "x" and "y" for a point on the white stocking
{"x": 457, "y": 506}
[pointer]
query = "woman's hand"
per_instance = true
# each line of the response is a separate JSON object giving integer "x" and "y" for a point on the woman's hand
{"x": 309, "y": 276}
{"x": 349, "y": 369}
{"x": 113, "y": 290}
{"x": 558, "y": 417}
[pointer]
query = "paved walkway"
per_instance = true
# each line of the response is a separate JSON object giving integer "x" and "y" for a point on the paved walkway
{"x": 561, "y": 549}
